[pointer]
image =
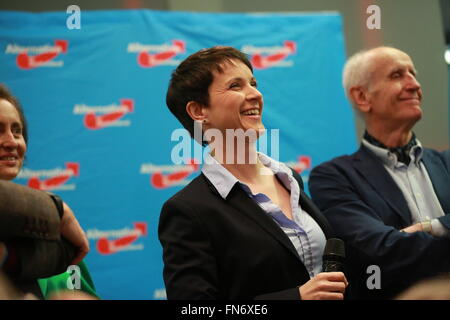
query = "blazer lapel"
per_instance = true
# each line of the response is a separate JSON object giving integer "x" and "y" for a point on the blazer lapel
{"x": 375, "y": 174}
{"x": 308, "y": 206}
{"x": 239, "y": 200}
{"x": 439, "y": 179}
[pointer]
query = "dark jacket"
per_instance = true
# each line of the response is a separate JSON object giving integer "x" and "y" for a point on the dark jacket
{"x": 228, "y": 249}
{"x": 367, "y": 209}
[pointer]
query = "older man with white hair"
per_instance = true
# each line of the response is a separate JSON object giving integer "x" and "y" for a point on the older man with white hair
{"x": 390, "y": 200}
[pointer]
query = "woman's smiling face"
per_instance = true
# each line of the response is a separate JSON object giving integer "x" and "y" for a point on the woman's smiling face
{"x": 12, "y": 142}
{"x": 234, "y": 100}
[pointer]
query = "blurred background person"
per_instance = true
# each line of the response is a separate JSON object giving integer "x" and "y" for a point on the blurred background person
{"x": 436, "y": 288}
{"x": 26, "y": 260}
{"x": 390, "y": 200}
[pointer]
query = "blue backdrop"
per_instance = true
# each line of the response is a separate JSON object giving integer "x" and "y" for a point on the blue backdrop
{"x": 100, "y": 133}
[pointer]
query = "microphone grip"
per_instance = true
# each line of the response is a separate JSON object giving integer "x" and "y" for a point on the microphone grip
{"x": 333, "y": 256}
{"x": 332, "y": 266}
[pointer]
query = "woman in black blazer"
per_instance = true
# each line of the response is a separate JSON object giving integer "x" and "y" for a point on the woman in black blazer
{"x": 244, "y": 228}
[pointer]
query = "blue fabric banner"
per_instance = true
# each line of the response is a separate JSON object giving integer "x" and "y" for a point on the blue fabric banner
{"x": 100, "y": 132}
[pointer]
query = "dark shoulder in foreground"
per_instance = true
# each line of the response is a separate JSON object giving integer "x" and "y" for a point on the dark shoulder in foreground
{"x": 336, "y": 161}
{"x": 194, "y": 190}
{"x": 444, "y": 156}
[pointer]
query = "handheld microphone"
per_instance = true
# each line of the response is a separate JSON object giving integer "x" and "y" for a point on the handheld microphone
{"x": 333, "y": 255}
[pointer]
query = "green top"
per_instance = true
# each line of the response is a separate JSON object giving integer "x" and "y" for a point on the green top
{"x": 67, "y": 280}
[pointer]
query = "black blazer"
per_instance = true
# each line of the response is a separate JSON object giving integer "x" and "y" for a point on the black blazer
{"x": 228, "y": 249}
{"x": 366, "y": 209}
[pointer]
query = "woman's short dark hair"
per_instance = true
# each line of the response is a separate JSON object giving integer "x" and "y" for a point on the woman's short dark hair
{"x": 191, "y": 80}
{"x": 6, "y": 95}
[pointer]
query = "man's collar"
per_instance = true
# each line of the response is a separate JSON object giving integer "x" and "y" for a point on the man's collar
{"x": 372, "y": 140}
{"x": 391, "y": 156}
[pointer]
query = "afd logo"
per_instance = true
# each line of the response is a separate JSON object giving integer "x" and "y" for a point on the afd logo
{"x": 30, "y": 57}
{"x": 162, "y": 177}
{"x": 303, "y": 163}
{"x": 153, "y": 55}
{"x": 99, "y": 117}
{"x": 272, "y": 56}
{"x": 302, "y": 166}
{"x": 53, "y": 179}
{"x": 114, "y": 241}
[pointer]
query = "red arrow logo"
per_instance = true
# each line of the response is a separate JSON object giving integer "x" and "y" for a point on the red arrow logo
{"x": 94, "y": 122}
{"x": 304, "y": 163}
{"x": 24, "y": 61}
{"x": 261, "y": 62}
{"x": 105, "y": 246}
{"x": 147, "y": 60}
{"x": 160, "y": 181}
{"x": 73, "y": 169}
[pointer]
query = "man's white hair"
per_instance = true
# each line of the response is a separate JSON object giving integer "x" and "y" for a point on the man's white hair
{"x": 356, "y": 71}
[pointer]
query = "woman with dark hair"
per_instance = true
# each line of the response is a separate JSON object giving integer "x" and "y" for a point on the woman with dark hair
{"x": 55, "y": 255}
{"x": 244, "y": 228}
